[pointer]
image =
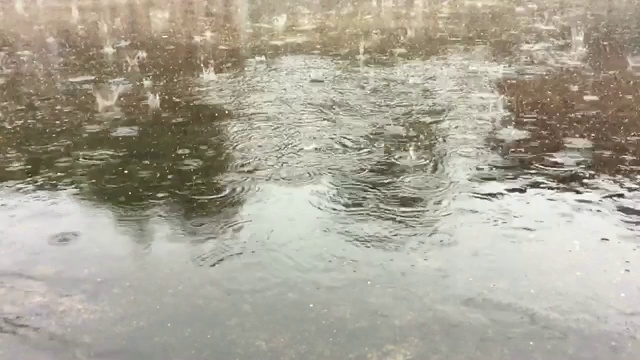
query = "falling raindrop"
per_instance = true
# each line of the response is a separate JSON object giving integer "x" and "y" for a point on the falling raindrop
{"x": 153, "y": 100}
{"x": 106, "y": 96}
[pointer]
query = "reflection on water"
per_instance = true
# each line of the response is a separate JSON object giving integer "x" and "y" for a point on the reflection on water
{"x": 353, "y": 181}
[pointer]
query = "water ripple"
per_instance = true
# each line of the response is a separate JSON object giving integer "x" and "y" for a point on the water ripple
{"x": 228, "y": 196}
{"x": 97, "y": 156}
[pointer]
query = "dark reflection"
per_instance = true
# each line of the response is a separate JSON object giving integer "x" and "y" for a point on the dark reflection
{"x": 578, "y": 120}
{"x": 180, "y": 157}
{"x": 131, "y": 158}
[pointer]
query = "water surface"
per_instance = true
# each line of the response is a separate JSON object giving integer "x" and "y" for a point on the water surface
{"x": 456, "y": 192}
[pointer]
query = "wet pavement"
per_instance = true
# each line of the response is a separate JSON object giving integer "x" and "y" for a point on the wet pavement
{"x": 381, "y": 185}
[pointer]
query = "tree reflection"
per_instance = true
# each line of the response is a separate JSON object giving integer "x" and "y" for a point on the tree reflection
{"x": 131, "y": 160}
{"x": 580, "y": 120}
{"x": 179, "y": 157}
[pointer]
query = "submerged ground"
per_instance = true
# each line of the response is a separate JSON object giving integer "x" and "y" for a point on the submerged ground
{"x": 452, "y": 182}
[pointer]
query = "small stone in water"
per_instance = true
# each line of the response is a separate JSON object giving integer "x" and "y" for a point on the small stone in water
{"x": 591, "y": 98}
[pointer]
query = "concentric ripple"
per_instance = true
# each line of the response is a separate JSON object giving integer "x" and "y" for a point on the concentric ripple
{"x": 373, "y": 140}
